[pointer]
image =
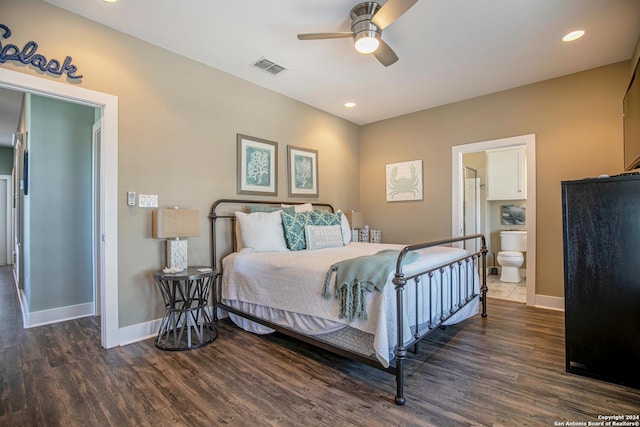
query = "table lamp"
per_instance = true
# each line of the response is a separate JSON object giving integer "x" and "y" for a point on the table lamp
{"x": 356, "y": 220}
{"x": 173, "y": 224}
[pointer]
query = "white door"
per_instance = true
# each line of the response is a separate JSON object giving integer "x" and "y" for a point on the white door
{"x": 471, "y": 211}
{"x": 5, "y": 218}
{"x": 18, "y": 207}
{"x": 96, "y": 227}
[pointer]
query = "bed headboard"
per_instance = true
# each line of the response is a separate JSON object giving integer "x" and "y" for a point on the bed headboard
{"x": 222, "y": 217}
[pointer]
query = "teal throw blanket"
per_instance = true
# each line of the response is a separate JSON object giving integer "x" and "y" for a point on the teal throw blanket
{"x": 356, "y": 275}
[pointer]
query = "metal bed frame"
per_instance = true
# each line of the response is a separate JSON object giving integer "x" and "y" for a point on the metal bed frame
{"x": 475, "y": 260}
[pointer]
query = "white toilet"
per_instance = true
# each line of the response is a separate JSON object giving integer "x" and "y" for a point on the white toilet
{"x": 513, "y": 243}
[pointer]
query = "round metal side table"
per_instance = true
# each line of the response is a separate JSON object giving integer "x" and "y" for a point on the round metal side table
{"x": 186, "y": 323}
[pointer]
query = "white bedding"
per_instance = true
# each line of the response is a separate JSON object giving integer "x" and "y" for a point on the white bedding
{"x": 278, "y": 284}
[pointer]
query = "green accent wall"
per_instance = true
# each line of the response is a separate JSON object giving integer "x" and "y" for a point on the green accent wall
{"x": 59, "y": 262}
{"x": 6, "y": 160}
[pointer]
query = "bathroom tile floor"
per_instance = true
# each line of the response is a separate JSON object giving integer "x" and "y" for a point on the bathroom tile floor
{"x": 506, "y": 291}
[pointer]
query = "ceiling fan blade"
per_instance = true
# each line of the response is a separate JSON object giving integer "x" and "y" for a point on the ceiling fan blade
{"x": 385, "y": 54}
{"x": 318, "y": 36}
{"x": 391, "y": 11}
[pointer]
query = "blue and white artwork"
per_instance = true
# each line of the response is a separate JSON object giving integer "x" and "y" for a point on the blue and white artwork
{"x": 303, "y": 171}
{"x": 257, "y": 166}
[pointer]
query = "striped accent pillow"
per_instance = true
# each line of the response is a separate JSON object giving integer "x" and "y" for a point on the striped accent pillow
{"x": 323, "y": 236}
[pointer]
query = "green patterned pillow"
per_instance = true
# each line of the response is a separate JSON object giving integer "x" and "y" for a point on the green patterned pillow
{"x": 319, "y": 217}
{"x": 294, "y": 229}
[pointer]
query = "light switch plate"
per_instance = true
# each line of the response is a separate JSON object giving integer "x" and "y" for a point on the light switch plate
{"x": 148, "y": 201}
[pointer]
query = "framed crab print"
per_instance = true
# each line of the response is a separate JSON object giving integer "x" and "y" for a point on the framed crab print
{"x": 257, "y": 166}
{"x": 303, "y": 172}
{"x": 404, "y": 181}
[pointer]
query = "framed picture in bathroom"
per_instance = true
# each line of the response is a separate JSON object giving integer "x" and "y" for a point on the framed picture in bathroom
{"x": 513, "y": 215}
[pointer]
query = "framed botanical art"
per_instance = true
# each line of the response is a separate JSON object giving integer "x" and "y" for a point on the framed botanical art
{"x": 404, "y": 181}
{"x": 257, "y": 166}
{"x": 302, "y": 165}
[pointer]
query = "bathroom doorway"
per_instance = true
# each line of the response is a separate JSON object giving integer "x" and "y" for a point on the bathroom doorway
{"x": 458, "y": 197}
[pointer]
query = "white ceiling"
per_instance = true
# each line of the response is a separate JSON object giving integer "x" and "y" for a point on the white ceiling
{"x": 449, "y": 50}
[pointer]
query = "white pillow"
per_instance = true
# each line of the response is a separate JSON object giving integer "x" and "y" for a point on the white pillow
{"x": 262, "y": 231}
{"x": 239, "y": 246}
{"x": 323, "y": 236}
{"x": 346, "y": 228}
{"x": 305, "y": 207}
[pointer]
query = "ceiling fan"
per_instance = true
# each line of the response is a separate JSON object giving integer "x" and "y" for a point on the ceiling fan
{"x": 368, "y": 19}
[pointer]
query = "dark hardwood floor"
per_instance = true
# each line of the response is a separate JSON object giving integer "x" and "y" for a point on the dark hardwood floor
{"x": 505, "y": 370}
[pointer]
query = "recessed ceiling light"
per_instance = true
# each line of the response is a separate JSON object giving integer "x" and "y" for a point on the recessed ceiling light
{"x": 573, "y": 35}
{"x": 349, "y": 104}
{"x": 110, "y": 1}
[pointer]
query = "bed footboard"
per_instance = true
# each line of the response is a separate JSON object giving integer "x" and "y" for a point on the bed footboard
{"x": 459, "y": 293}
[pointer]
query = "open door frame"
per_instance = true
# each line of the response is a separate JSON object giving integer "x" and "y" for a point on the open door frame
{"x": 108, "y": 183}
{"x": 456, "y": 208}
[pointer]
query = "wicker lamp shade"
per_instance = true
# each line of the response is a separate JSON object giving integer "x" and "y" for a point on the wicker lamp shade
{"x": 174, "y": 224}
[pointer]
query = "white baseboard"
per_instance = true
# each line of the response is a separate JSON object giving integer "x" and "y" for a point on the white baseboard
{"x": 139, "y": 332}
{"x": 142, "y": 331}
{"x": 23, "y": 307}
{"x": 54, "y": 315}
{"x": 549, "y": 302}
{"x": 22, "y": 298}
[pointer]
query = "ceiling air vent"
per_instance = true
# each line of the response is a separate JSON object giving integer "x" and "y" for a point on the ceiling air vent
{"x": 269, "y": 66}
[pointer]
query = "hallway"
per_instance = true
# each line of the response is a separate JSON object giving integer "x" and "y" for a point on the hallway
{"x": 39, "y": 366}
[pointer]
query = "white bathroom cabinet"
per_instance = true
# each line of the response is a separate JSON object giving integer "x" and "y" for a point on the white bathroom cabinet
{"x": 507, "y": 173}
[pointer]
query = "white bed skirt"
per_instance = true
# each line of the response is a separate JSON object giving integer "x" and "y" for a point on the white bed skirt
{"x": 315, "y": 326}
{"x": 302, "y": 323}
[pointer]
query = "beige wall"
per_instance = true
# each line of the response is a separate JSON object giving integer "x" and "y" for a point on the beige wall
{"x": 634, "y": 58}
{"x": 178, "y": 121}
{"x": 577, "y": 120}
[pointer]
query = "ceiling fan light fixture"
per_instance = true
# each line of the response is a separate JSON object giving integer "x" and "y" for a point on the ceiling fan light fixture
{"x": 367, "y": 42}
{"x": 368, "y": 20}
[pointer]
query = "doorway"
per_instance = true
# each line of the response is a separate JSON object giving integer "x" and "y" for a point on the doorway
{"x": 108, "y": 182}
{"x": 458, "y": 183}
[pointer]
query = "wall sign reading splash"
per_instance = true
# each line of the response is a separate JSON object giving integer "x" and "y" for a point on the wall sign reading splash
{"x": 28, "y": 56}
